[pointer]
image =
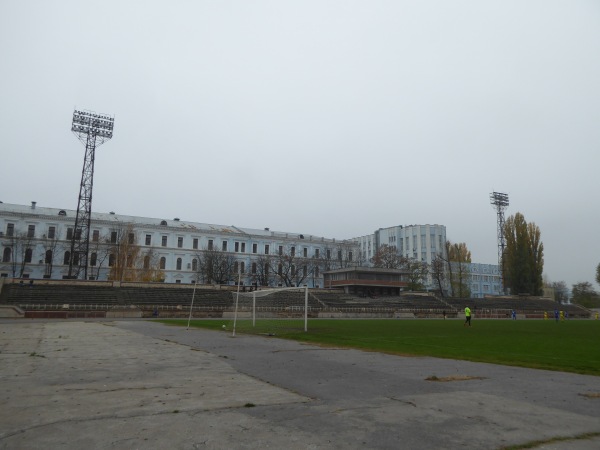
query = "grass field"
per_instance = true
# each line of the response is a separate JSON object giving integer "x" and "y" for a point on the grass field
{"x": 569, "y": 346}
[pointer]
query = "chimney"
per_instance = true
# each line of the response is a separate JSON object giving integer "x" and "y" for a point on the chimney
{"x": 33, "y": 205}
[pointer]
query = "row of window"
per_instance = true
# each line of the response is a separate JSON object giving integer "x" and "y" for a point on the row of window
{"x": 239, "y": 247}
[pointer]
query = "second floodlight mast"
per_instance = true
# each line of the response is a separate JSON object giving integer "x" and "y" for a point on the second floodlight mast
{"x": 500, "y": 201}
{"x": 92, "y": 130}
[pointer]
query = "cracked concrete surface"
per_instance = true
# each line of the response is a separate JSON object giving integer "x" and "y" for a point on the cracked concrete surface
{"x": 134, "y": 384}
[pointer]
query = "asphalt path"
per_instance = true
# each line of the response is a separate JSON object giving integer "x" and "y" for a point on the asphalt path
{"x": 142, "y": 384}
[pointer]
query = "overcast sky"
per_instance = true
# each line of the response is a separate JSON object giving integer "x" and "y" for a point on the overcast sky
{"x": 331, "y": 118}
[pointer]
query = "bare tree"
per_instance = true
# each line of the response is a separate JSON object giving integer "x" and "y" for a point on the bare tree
{"x": 264, "y": 275}
{"x": 100, "y": 249}
{"x": 289, "y": 268}
{"x": 51, "y": 245}
{"x": 387, "y": 257}
{"x": 215, "y": 266}
{"x": 438, "y": 273}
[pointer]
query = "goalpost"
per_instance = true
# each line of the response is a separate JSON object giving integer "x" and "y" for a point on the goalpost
{"x": 264, "y": 293}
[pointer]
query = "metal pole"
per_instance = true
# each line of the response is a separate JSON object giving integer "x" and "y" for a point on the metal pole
{"x": 192, "y": 305}
{"x": 237, "y": 297}
{"x": 306, "y": 308}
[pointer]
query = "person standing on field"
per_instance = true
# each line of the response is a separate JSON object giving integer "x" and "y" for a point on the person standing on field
{"x": 467, "y": 316}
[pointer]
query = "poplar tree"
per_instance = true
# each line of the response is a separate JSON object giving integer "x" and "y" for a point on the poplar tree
{"x": 523, "y": 259}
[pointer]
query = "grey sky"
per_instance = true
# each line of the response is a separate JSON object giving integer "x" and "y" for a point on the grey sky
{"x": 331, "y": 118}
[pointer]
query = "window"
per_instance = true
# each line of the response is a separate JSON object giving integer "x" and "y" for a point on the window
{"x": 293, "y": 270}
{"x": 280, "y": 250}
{"x": 95, "y": 235}
{"x": 69, "y": 233}
{"x": 253, "y": 268}
{"x": 328, "y": 254}
{"x": 195, "y": 243}
{"x": 194, "y": 264}
{"x": 305, "y": 252}
{"x": 224, "y": 246}
{"x": 148, "y": 239}
{"x": 66, "y": 258}
{"x": 316, "y": 253}
{"x": 349, "y": 256}
{"x": 113, "y": 237}
{"x": 163, "y": 263}
{"x": 10, "y": 229}
{"x": 51, "y": 232}
{"x": 243, "y": 247}
{"x": 254, "y": 248}
{"x": 237, "y": 247}
{"x": 48, "y": 259}
{"x": 179, "y": 263}
{"x": 93, "y": 259}
{"x": 146, "y": 262}
{"x": 78, "y": 234}
{"x": 130, "y": 260}
{"x": 304, "y": 270}
{"x": 111, "y": 260}
{"x": 180, "y": 242}
{"x": 164, "y": 241}
{"x": 28, "y": 255}
{"x": 210, "y": 244}
{"x": 131, "y": 238}
{"x": 339, "y": 255}
{"x": 280, "y": 270}
{"x": 317, "y": 271}
{"x": 293, "y": 251}
{"x": 31, "y": 231}
{"x": 243, "y": 267}
{"x": 6, "y": 255}
{"x": 266, "y": 249}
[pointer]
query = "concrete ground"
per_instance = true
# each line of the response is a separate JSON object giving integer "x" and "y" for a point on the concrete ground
{"x": 139, "y": 384}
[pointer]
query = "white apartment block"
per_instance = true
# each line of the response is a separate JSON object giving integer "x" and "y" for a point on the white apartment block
{"x": 420, "y": 242}
{"x": 35, "y": 243}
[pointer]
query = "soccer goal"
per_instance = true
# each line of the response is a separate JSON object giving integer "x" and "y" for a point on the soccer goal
{"x": 270, "y": 309}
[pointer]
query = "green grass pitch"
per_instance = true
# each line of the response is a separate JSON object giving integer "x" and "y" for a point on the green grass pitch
{"x": 569, "y": 346}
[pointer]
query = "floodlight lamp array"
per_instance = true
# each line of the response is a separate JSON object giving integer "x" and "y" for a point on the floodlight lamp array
{"x": 85, "y": 122}
{"x": 499, "y": 199}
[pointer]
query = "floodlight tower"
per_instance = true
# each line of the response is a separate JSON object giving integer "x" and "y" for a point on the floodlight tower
{"x": 92, "y": 130}
{"x": 500, "y": 201}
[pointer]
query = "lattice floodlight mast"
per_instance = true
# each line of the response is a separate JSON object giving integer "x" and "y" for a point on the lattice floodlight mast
{"x": 500, "y": 201}
{"x": 92, "y": 130}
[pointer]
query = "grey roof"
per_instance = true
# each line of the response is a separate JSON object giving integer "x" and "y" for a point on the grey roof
{"x": 32, "y": 211}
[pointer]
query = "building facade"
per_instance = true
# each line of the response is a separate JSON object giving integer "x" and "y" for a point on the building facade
{"x": 35, "y": 242}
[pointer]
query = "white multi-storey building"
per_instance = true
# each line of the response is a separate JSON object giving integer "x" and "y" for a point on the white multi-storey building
{"x": 420, "y": 242}
{"x": 35, "y": 243}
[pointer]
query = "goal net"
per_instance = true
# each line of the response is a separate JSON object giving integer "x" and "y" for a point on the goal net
{"x": 270, "y": 311}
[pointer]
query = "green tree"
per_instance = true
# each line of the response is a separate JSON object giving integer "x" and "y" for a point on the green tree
{"x": 584, "y": 294}
{"x": 523, "y": 260}
{"x": 598, "y": 273}
{"x": 417, "y": 272}
{"x": 457, "y": 256}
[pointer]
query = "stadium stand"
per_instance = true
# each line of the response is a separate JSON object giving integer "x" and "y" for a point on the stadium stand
{"x": 212, "y": 301}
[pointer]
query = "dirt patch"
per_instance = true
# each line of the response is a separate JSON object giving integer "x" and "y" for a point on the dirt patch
{"x": 453, "y": 378}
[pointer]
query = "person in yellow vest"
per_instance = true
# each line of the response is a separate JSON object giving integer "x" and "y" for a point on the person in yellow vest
{"x": 545, "y": 315}
{"x": 597, "y": 316}
{"x": 467, "y": 317}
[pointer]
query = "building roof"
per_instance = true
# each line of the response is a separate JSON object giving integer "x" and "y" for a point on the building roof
{"x": 34, "y": 210}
